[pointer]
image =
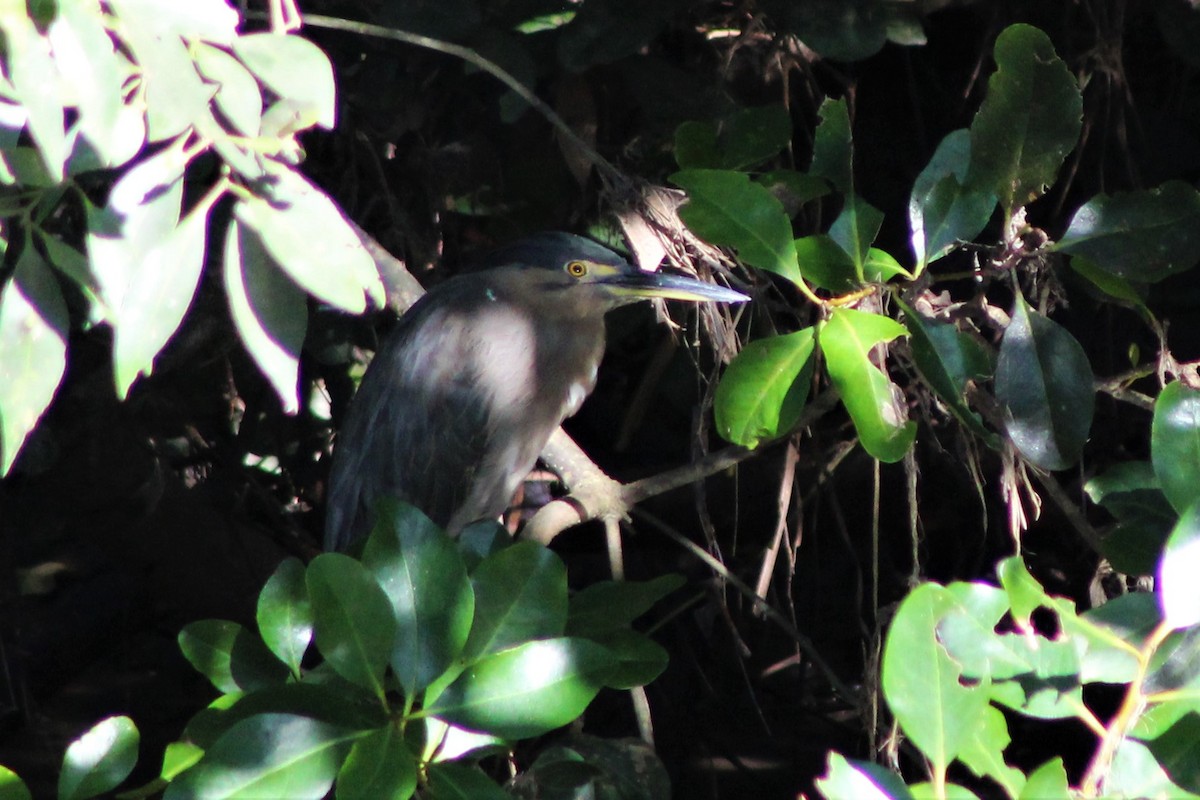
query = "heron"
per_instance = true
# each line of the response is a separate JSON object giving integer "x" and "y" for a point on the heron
{"x": 464, "y": 394}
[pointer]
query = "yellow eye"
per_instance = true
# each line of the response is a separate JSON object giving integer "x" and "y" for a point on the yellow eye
{"x": 577, "y": 269}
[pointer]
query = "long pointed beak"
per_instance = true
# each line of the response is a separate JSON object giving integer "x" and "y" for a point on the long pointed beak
{"x": 637, "y": 285}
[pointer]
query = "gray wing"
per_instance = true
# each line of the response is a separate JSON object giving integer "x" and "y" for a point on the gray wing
{"x": 416, "y": 430}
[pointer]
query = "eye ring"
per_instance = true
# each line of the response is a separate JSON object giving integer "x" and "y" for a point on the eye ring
{"x": 576, "y": 269}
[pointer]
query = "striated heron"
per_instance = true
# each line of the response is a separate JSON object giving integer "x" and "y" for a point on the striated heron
{"x": 464, "y": 394}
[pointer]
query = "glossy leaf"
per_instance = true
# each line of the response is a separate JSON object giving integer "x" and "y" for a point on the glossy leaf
{"x": 922, "y": 683}
{"x": 1142, "y": 236}
{"x": 425, "y": 579}
{"x": 353, "y": 619}
{"x": 744, "y": 139}
{"x": 947, "y": 359}
{"x": 34, "y": 327}
{"x": 232, "y": 658}
{"x": 1175, "y": 444}
{"x": 833, "y": 157}
{"x": 611, "y": 605}
{"x": 943, "y": 210}
{"x": 99, "y": 760}
{"x": 847, "y": 340}
{"x": 526, "y": 690}
{"x": 294, "y": 69}
{"x": 453, "y": 781}
{"x": 311, "y": 241}
{"x": 12, "y": 787}
{"x": 763, "y": 390}
{"x": 520, "y": 594}
{"x": 285, "y": 615}
{"x": 1115, "y": 287}
{"x": 268, "y": 755}
{"x": 727, "y": 208}
{"x": 379, "y": 765}
{"x": 855, "y": 230}
{"x": 1045, "y": 382}
{"x": 1178, "y": 751}
{"x": 823, "y": 262}
{"x": 881, "y": 266}
{"x": 269, "y": 311}
{"x": 845, "y": 779}
{"x": 1028, "y": 122}
{"x": 1178, "y": 588}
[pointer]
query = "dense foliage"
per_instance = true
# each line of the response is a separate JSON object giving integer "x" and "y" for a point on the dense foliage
{"x": 971, "y": 232}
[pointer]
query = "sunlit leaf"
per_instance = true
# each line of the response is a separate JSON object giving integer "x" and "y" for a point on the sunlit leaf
{"x": 1048, "y": 782}
{"x": 762, "y": 392}
{"x": 238, "y": 96}
{"x": 845, "y": 779}
{"x": 33, "y": 350}
{"x": 284, "y": 614}
{"x": 727, "y": 208}
{"x": 379, "y": 765}
{"x": 269, "y": 312}
{"x": 35, "y": 80}
{"x": 268, "y": 755}
{"x": 1045, "y": 383}
{"x": 847, "y": 340}
{"x": 294, "y": 69}
{"x": 98, "y": 761}
{"x": 12, "y": 787}
{"x": 353, "y": 620}
{"x": 526, "y": 690}
{"x": 824, "y": 263}
{"x": 1178, "y": 588}
{"x": 232, "y": 658}
{"x": 520, "y": 594}
{"x": 855, "y": 229}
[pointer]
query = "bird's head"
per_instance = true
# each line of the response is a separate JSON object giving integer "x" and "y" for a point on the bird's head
{"x": 562, "y": 264}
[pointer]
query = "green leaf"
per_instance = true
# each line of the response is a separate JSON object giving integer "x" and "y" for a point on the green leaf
{"x": 983, "y": 752}
{"x": 425, "y": 579}
{"x": 823, "y": 262}
{"x": 98, "y": 761}
{"x": 526, "y": 690}
{"x": 636, "y": 658}
{"x": 793, "y": 188}
{"x": 269, "y": 311}
{"x": 295, "y": 69}
{"x": 33, "y": 349}
{"x": 881, "y": 266}
{"x": 845, "y": 779}
{"x": 310, "y": 240}
{"x": 268, "y": 755}
{"x": 453, "y": 781}
{"x": 1049, "y": 781}
{"x": 237, "y": 97}
{"x": 763, "y": 390}
{"x": 744, "y": 139}
{"x": 520, "y": 594}
{"x": 1045, "y": 382}
{"x": 1130, "y": 491}
{"x": 611, "y": 605}
{"x": 947, "y": 359}
{"x": 285, "y": 615}
{"x": 922, "y": 683}
{"x": 942, "y": 210}
{"x": 1175, "y": 444}
{"x": 353, "y": 619}
{"x": 728, "y": 209}
{"x": 855, "y": 229}
{"x": 12, "y": 787}
{"x": 1135, "y": 772}
{"x": 380, "y": 765}
{"x": 1112, "y": 632}
{"x": 1178, "y": 588}
{"x": 833, "y": 149}
{"x": 1178, "y": 751}
{"x": 35, "y": 80}
{"x": 847, "y": 340}
{"x": 1029, "y": 121}
{"x": 231, "y": 657}
{"x": 1025, "y": 594}
{"x": 1111, "y": 285}
{"x": 1142, "y": 236}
